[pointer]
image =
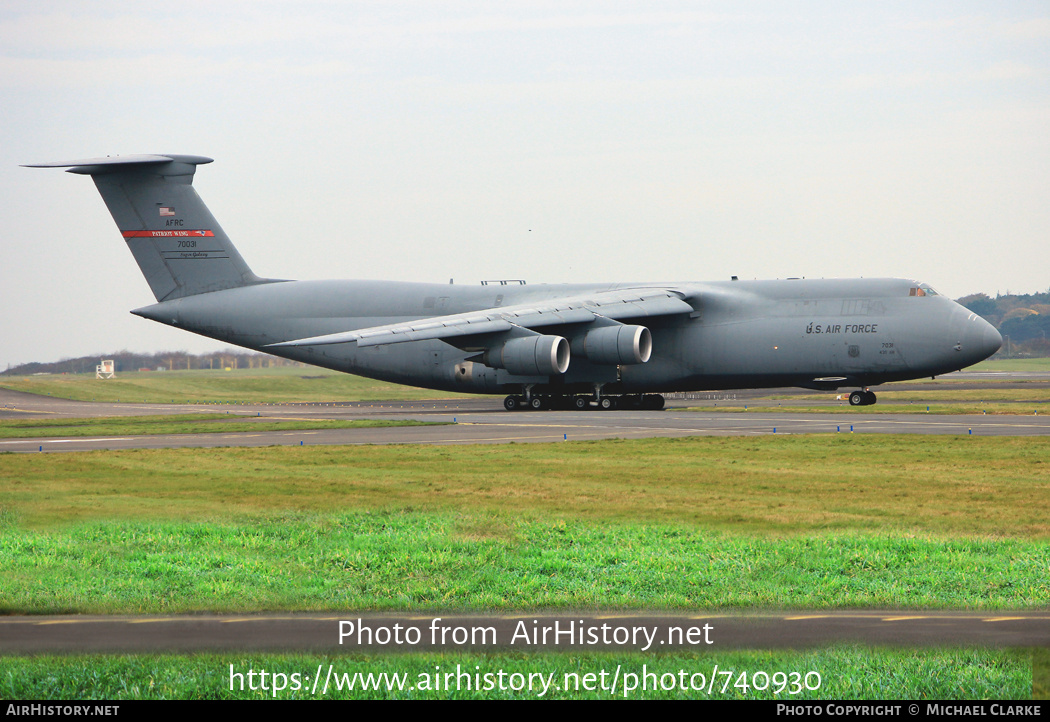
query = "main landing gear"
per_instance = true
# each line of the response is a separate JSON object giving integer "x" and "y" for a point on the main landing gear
{"x": 650, "y": 402}
{"x": 862, "y": 398}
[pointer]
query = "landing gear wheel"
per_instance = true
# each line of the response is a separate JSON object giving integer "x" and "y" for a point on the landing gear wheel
{"x": 580, "y": 403}
{"x": 607, "y": 403}
{"x": 862, "y": 398}
{"x": 536, "y": 403}
{"x": 512, "y": 403}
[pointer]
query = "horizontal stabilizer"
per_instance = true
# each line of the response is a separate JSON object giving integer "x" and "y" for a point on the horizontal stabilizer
{"x": 110, "y": 164}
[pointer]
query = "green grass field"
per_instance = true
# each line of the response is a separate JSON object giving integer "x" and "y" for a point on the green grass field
{"x": 33, "y": 428}
{"x": 434, "y": 562}
{"x": 818, "y": 521}
{"x": 243, "y": 386}
{"x": 845, "y": 673}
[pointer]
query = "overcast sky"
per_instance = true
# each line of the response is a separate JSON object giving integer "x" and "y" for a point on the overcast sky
{"x": 551, "y": 141}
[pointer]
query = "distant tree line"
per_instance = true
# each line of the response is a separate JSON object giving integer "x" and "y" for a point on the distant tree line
{"x": 126, "y": 361}
{"x": 1023, "y": 320}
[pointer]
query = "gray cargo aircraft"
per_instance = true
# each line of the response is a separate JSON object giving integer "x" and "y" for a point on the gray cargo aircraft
{"x": 547, "y": 346}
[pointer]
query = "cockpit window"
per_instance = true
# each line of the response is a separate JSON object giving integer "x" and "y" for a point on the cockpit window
{"x": 923, "y": 289}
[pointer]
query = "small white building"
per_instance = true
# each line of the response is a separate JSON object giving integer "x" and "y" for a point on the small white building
{"x": 105, "y": 370}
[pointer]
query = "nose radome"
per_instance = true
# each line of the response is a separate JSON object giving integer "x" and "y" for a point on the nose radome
{"x": 981, "y": 339}
{"x": 991, "y": 340}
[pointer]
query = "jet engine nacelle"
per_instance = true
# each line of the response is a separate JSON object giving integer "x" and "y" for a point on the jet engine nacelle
{"x": 531, "y": 356}
{"x": 615, "y": 345}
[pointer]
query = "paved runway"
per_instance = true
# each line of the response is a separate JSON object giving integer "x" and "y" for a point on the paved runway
{"x": 590, "y": 632}
{"x": 483, "y": 421}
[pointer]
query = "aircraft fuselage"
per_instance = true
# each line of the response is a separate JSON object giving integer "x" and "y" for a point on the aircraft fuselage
{"x": 742, "y": 334}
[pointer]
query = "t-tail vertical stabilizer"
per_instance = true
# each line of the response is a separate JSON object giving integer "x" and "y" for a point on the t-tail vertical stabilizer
{"x": 179, "y": 246}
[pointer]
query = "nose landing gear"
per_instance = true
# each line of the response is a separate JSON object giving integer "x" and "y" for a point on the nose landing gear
{"x": 862, "y": 398}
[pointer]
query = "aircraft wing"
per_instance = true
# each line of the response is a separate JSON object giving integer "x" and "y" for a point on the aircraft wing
{"x": 615, "y": 305}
